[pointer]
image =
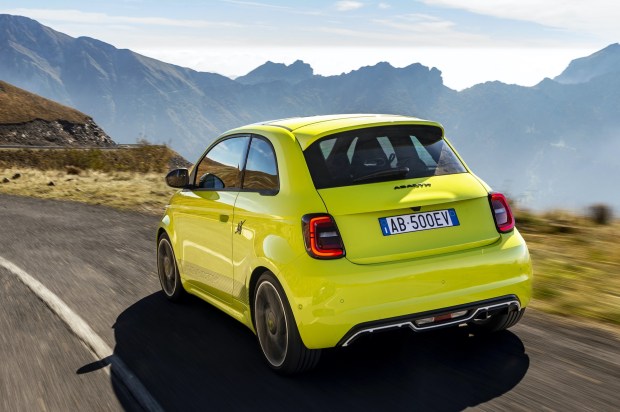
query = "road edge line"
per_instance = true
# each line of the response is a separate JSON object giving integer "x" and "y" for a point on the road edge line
{"x": 87, "y": 335}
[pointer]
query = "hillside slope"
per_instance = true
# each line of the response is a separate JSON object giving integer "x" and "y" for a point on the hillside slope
{"x": 20, "y": 106}
{"x": 29, "y": 119}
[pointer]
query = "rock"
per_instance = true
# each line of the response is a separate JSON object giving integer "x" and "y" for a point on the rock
{"x": 5, "y": 180}
{"x": 55, "y": 133}
{"x": 16, "y": 176}
{"x": 73, "y": 170}
{"x": 51, "y": 184}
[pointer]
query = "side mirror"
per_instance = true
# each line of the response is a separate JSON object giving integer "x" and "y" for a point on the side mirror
{"x": 210, "y": 181}
{"x": 178, "y": 178}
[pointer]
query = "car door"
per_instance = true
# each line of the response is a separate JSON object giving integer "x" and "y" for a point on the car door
{"x": 205, "y": 218}
{"x": 257, "y": 212}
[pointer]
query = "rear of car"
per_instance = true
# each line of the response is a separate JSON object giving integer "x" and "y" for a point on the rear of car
{"x": 317, "y": 231}
{"x": 410, "y": 238}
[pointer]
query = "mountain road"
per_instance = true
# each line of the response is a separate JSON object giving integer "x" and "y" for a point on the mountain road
{"x": 101, "y": 263}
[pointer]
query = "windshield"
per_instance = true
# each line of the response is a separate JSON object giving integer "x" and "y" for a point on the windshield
{"x": 380, "y": 154}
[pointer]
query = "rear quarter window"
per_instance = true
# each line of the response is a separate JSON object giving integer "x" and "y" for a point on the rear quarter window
{"x": 380, "y": 154}
{"x": 261, "y": 169}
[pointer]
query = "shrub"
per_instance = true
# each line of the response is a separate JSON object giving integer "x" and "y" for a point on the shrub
{"x": 601, "y": 214}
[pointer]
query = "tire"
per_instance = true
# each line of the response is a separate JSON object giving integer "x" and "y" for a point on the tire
{"x": 497, "y": 322}
{"x": 276, "y": 330}
{"x": 168, "y": 271}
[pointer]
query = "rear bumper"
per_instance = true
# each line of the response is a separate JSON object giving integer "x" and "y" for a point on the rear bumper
{"x": 420, "y": 322}
{"x": 332, "y": 301}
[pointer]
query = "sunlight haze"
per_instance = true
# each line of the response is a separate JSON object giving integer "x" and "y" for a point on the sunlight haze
{"x": 519, "y": 42}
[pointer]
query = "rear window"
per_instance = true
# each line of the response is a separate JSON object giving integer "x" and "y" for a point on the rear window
{"x": 380, "y": 154}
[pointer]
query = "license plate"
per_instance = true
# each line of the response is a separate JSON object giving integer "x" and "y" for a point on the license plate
{"x": 416, "y": 222}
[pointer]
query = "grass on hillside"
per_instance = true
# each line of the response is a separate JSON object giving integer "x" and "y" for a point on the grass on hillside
{"x": 19, "y": 106}
{"x": 576, "y": 265}
{"x": 127, "y": 178}
{"x": 144, "y": 192}
{"x": 143, "y": 158}
{"x": 576, "y": 262}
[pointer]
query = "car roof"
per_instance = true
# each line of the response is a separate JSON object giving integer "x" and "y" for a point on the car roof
{"x": 320, "y": 124}
{"x": 308, "y": 129}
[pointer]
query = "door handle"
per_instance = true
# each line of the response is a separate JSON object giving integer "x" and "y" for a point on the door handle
{"x": 239, "y": 227}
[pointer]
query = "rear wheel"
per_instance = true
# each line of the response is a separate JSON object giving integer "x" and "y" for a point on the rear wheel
{"x": 277, "y": 332}
{"x": 497, "y": 322}
{"x": 168, "y": 271}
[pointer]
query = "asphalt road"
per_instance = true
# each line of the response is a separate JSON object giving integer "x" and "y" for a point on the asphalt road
{"x": 101, "y": 263}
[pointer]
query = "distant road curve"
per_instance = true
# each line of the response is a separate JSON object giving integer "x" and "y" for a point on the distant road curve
{"x": 118, "y": 146}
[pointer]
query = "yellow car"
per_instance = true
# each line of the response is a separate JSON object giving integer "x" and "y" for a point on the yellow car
{"x": 316, "y": 231}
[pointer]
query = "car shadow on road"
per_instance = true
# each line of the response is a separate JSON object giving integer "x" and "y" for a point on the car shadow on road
{"x": 191, "y": 356}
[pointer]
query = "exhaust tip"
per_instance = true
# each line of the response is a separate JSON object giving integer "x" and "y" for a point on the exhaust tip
{"x": 482, "y": 315}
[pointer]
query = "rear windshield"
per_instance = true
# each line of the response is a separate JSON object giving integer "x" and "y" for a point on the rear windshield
{"x": 380, "y": 154}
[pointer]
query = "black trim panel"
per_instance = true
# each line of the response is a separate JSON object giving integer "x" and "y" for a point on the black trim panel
{"x": 473, "y": 309}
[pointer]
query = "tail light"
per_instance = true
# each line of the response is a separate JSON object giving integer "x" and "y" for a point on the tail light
{"x": 321, "y": 236}
{"x": 504, "y": 220}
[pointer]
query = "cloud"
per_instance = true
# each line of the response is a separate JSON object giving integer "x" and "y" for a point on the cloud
{"x": 561, "y": 144}
{"x": 384, "y": 6}
{"x": 416, "y": 22}
{"x": 256, "y": 4}
{"x": 348, "y": 5}
{"x": 76, "y": 16}
{"x": 423, "y": 29}
{"x": 598, "y": 17}
{"x": 399, "y": 34}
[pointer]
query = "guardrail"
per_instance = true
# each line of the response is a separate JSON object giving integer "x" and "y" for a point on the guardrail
{"x": 118, "y": 146}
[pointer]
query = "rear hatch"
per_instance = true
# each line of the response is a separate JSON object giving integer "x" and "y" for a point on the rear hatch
{"x": 379, "y": 223}
{"x": 399, "y": 192}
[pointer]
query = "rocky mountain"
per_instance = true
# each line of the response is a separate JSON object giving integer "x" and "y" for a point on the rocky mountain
{"x": 134, "y": 96}
{"x": 275, "y": 72}
{"x": 130, "y": 95}
{"x": 28, "y": 119}
{"x": 551, "y": 145}
{"x": 584, "y": 69}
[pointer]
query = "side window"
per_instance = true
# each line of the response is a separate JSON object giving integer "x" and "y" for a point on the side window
{"x": 221, "y": 166}
{"x": 261, "y": 170}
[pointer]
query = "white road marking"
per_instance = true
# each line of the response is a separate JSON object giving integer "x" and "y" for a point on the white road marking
{"x": 87, "y": 335}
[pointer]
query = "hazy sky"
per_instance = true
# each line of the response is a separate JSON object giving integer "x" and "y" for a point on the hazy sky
{"x": 470, "y": 41}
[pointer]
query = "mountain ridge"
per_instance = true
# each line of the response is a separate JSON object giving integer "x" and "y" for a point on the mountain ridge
{"x": 132, "y": 95}
{"x": 583, "y": 69}
{"x": 269, "y": 72}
